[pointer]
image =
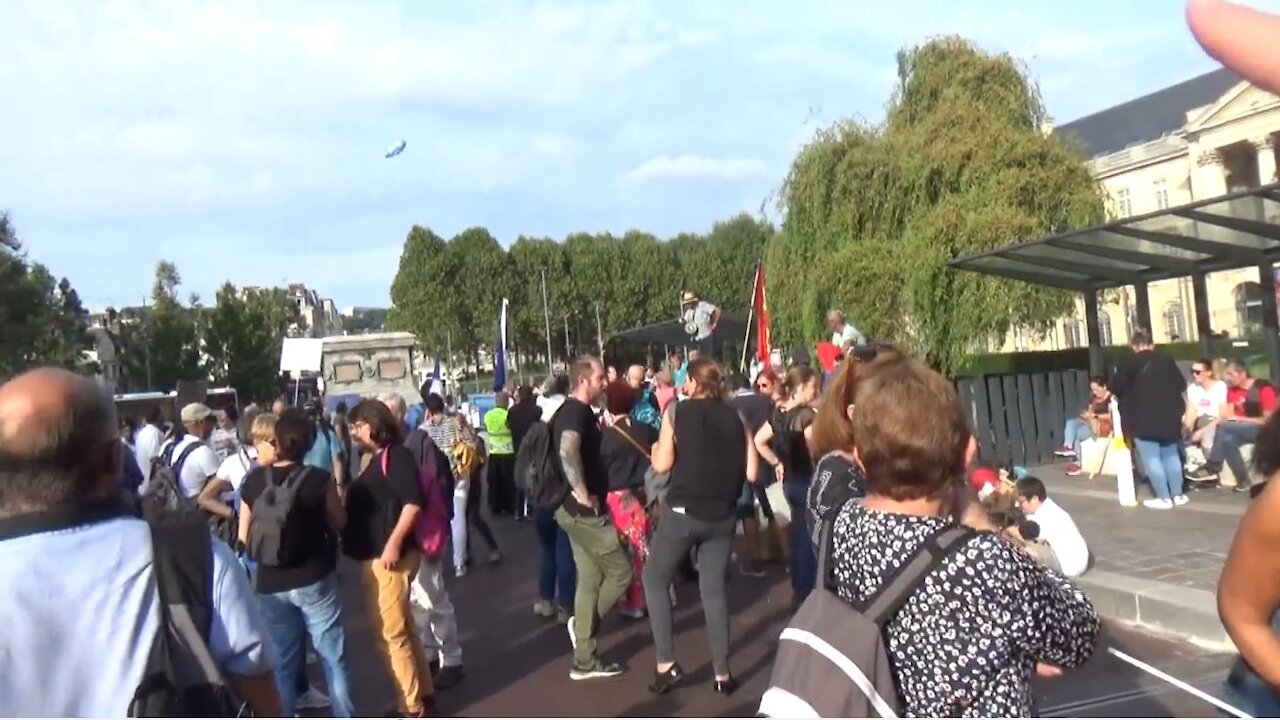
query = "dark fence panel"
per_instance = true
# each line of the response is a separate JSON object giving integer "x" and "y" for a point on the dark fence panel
{"x": 1019, "y": 418}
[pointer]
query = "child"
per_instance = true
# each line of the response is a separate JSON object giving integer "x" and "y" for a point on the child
{"x": 1027, "y": 532}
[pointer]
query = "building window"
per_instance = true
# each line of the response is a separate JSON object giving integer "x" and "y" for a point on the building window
{"x": 1071, "y": 333}
{"x": 1248, "y": 308}
{"x": 1124, "y": 205}
{"x": 1104, "y": 327}
{"x": 1162, "y": 195}
{"x": 1173, "y": 322}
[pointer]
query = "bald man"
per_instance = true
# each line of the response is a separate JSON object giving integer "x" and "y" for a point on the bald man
{"x": 80, "y": 605}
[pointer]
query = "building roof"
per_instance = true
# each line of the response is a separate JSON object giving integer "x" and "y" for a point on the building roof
{"x": 1237, "y": 230}
{"x": 1149, "y": 117}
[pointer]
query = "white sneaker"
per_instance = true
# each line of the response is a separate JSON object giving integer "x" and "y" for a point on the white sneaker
{"x": 312, "y": 699}
{"x": 573, "y": 639}
{"x": 1158, "y": 504}
{"x": 1181, "y": 500}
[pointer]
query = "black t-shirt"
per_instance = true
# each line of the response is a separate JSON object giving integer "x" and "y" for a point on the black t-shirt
{"x": 320, "y": 543}
{"x": 374, "y": 503}
{"x": 623, "y": 462}
{"x": 755, "y": 408}
{"x": 577, "y": 416}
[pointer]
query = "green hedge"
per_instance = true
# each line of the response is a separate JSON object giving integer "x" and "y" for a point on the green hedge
{"x": 1078, "y": 358}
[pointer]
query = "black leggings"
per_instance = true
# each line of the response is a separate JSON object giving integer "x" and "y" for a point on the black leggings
{"x": 474, "y": 519}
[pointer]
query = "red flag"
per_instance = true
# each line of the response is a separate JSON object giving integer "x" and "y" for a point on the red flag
{"x": 761, "y": 308}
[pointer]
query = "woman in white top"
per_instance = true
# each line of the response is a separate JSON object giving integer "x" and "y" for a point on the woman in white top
{"x": 1206, "y": 397}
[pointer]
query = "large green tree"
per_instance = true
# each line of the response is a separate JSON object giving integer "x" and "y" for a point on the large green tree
{"x": 422, "y": 300}
{"x": 243, "y": 334}
{"x": 874, "y": 213}
{"x": 163, "y": 345}
{"x": 42, "y": 321}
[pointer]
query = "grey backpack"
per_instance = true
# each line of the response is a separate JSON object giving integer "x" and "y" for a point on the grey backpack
{"x": 831, "y": 659}
{"x": 276, "y": 535}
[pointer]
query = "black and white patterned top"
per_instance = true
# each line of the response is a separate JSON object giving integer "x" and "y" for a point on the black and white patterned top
{"x": 967, "y": 642}
{"x": 836, "y": 481}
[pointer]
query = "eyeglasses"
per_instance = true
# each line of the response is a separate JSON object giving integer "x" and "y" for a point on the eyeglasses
{"x": 1198, "y": 371}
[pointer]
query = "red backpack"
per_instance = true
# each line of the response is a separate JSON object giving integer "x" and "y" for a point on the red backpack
{"x": 431, "y": 529}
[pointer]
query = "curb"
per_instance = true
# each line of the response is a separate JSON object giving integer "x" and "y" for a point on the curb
{"x": 1170, "y": 609}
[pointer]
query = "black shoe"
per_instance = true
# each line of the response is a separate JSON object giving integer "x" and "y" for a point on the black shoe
{"x": 664, "y": 681}
{"x": 1202, "y": 475}
{"x": 599, "y": 670}
{"x": 725, "y": 687}
{"x": 447, "y": 677}
{"x": 1242, "y": 488}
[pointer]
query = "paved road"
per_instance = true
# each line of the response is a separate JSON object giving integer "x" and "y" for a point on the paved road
{"x": 517, "y": 664}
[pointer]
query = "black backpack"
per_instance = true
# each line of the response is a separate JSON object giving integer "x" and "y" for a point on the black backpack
{"x": 276, "y": 530}
{"x": 181, "y": 677}
{"x": 831, "y": 661}
{"x": 536, "y": 473}
{"x": 164, "y": 494}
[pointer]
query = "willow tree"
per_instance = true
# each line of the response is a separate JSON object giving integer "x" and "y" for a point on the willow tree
{"x": 873, "y": 213}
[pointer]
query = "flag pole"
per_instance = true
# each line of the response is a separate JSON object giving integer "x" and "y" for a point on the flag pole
{"x": 751, "y": 310}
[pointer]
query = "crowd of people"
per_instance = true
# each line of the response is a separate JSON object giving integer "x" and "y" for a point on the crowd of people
{"x": 661, "y": 469}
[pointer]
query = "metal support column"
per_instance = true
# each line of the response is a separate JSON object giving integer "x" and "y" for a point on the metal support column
{"x": 1142, "y": 309}
{"x": 1270, "y": 323}
{"x": 1200, "y": 298}
{"x": 1093, "y": 331}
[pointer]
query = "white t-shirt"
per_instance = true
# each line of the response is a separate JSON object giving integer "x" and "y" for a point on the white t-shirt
{"x": 224, "y": 443}
{"x": 199, "y": 466}
{"x": 146, "y": 446}
{"x": 234, "y": 469}
{"x": 1060, "y": 531}
{"x": 700, "y": 315}
{"x": 848, "y": 333}
{"x": 1207, "y": 401}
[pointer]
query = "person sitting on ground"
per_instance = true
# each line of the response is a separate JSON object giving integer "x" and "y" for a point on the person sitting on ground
{"x": 79, "y": 602}
{"x": 1055, "y": 525}
{"x": 1027, "y": 533}
{"x": 1206, "y": 405}
{"x": 1093, "y": 421}
{"x": 965, "y": 642}
{"x": 1250, "y": 401}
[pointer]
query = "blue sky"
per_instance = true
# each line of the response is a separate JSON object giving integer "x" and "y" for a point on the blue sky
{"x": 244, "y": 140}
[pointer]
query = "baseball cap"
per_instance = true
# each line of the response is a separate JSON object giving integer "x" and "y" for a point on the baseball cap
{"x": 195, "y": 412}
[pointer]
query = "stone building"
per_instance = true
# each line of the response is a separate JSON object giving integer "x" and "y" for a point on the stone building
{"x": 1198, "y": 139}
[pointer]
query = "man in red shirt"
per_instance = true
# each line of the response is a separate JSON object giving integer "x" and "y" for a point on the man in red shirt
{"x": 1250, "y": 402}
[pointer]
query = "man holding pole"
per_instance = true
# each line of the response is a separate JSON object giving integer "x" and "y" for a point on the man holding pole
{"x": 700, "y": 320}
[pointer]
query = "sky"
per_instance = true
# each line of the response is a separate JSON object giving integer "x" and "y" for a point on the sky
{"x": 244, "y": 141}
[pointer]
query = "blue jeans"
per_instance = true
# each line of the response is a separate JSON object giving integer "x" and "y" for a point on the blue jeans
{"x": 555, "y": 567}
{"x": 1076, "y": 432}
{"x": 292, "y": 615}
{"x": 804, "y": 564}
{"x": 1163, "y": 463}
{"x": 1227, "y": 441}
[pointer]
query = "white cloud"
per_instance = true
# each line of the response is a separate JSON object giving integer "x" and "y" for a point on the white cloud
{"x": 696, "y": 167}
{"x": 195, "y": 131}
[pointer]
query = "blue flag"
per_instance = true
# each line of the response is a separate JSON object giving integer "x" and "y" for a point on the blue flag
{"x": 500, "y": 355}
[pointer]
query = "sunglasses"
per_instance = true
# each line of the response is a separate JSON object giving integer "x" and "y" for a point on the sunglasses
{"x": 868, "y": 352}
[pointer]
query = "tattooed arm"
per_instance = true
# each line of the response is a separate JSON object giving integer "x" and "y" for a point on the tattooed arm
{"x": 574, "y": 472}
